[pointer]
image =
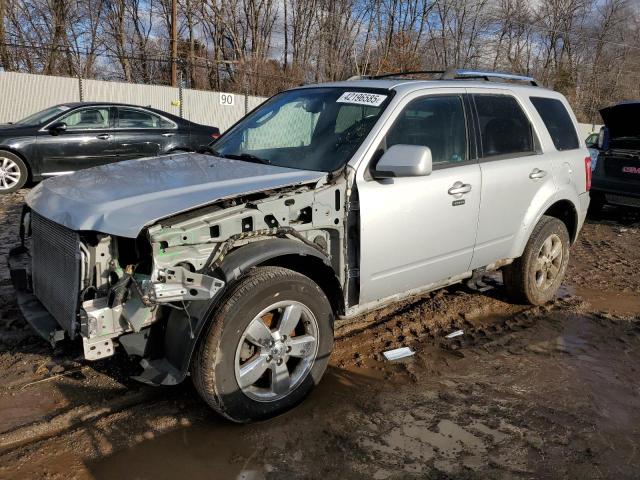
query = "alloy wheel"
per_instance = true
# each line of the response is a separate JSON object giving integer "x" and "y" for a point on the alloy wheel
{"x": 9, "y": 173}
{"x": 276, "y": 351}
{"x": 548, "y": 262}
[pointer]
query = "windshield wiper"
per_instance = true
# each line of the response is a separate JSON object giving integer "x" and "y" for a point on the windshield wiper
{"x": 247, "y": 157}
{"x": 238, "y": 156}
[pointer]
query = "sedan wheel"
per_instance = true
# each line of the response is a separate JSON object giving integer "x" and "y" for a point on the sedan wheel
{"x": 13, "y": 172}
{"x": 9, "y": 173}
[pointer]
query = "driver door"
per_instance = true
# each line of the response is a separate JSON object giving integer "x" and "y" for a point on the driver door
{"x": 415, "y": 231}
{"x": 86, "y": 142}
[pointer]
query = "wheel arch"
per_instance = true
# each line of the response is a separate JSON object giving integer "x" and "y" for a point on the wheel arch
{"x": 566, "y": 212}
{"x": 561, "y": 208}
{"x": 183, "y": 330}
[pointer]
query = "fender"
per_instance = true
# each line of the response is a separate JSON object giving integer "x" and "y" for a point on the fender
{"x": 184, "y": 328}
{"x": 533, "y": 217}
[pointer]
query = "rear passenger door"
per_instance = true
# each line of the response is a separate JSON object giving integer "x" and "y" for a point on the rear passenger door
{"x": 516, "y": 176}
{"x": 140, "y": 133}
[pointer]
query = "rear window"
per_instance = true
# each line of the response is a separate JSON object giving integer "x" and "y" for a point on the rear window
{"x": 505, "y": 130}
{"x": 558, "y": 122}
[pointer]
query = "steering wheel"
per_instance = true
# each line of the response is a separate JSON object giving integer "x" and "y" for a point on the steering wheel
{"x": 355, "y": 132}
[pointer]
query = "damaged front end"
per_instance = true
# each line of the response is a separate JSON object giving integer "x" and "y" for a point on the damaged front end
{"x": 153, "y": 294}
{"x": 94, "y": 285}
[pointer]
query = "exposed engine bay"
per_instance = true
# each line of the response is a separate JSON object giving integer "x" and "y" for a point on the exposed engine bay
{"x": 128, "y": 285}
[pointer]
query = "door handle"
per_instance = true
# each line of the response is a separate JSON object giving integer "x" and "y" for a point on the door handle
{"x": 459, "y": 188}
{"x": 104, "y": 136}
{"x": 536, "y": 173}
{"x": 168, "y": 134}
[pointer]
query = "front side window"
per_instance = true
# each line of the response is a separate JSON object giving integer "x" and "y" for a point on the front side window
{"x": 87, "y": 119}
{"x": 313, "y": 129}
{"x": 504, "y": 127}
{"x": 558, "y": 122}
{"x": 437, "y": 122}
{"x": 133, "y": 118}
{"x": 43, "y": 116}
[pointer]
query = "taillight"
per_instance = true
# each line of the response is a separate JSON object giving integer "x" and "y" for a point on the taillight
{"x": 587, "y": 173}
{"x": 215, "y": 136}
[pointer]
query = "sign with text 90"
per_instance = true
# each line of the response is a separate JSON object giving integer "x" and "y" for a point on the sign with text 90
{"x": 227, "y": 99}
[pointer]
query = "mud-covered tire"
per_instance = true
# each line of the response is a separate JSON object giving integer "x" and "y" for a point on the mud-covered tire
{"x": 217, "y": 364}
{"x": 529, "y": 278}
{"x": 13, "y": 172}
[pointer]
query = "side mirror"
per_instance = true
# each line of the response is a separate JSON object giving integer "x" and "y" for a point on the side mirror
{"x": 404, "y": 161}
{"x": 57, "y": 128}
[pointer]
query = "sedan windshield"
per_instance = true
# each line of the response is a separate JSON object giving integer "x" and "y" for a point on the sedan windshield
{"x": 312, "y": 129}
{"x": 43, "y": 116}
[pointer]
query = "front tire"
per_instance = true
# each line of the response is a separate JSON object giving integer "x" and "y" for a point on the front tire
{"x": 267, "y": 345}
{"x": 13, "y": 173}
{"x": 536, "y": 276}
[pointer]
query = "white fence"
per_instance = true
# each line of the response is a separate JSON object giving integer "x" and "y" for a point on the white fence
{"x": 22, "y": 94}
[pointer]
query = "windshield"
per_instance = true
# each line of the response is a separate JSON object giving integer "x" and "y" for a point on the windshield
{"x": 43, "y": 116}
{"x": 312, "y": 129}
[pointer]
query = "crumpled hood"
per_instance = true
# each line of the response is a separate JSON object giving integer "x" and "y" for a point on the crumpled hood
{"x": 122, "y": 198}
{"x": 622, "y": 120}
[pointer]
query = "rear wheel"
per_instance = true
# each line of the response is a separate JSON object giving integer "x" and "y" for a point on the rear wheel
{"x": 536, "y": 276}
{"x": 13, "y": 172}
{"x": 267, "y": 346}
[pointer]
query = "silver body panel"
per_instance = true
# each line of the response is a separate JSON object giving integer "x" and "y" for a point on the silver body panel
{"x": 122, "y": 198}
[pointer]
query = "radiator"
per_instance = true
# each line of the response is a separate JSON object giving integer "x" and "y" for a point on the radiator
{"x": 56, "y": 263}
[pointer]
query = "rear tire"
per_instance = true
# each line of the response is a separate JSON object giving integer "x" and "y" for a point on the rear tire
{"x": 536, "y": 276}
{"x": 13, "y": 173}
{"x": 267, "y": 345}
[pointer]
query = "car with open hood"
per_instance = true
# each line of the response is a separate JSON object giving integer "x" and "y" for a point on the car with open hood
{"x": 616, "y": 177}
{"x": 326, "y": 202}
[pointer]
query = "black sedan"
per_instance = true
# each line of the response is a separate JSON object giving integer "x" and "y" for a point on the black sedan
{"x": 73, "y": 136}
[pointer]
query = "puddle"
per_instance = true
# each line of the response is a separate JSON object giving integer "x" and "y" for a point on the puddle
{"x": 25, "y": 407}
{"x": 623, "y": 303}
{"x": 216, "y": 449}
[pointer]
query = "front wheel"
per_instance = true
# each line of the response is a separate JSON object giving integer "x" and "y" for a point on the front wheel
{"x": 13, "y": 172}
{"x": 267, "y": 346}
{"x": 536, "y": 276}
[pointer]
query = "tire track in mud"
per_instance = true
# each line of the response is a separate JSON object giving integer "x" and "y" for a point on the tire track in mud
{"x": 70, "y": 420}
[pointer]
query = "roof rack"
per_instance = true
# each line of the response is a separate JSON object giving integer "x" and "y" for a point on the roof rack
{"x": 456, "y": 74}
{"x": 488, "y": 76}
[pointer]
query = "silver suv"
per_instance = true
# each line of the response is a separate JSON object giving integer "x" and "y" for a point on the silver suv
{"x": 325, "y": 202}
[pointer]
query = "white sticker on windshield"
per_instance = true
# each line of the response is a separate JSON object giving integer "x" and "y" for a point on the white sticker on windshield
{"x": 362, "y": 98}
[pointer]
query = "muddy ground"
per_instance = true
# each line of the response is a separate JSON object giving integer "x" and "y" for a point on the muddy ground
{"x": 545, "y": 392}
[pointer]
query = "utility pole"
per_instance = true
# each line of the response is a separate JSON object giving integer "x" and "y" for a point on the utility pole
{"x": 174, "y": 43}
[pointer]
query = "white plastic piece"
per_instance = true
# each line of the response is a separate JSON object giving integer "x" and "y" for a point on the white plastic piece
{"x": 398, "y": 353}
{"x": 455, "y": 334}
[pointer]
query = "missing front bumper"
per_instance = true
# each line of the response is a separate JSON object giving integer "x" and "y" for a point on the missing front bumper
{"x": 32, "y": 309}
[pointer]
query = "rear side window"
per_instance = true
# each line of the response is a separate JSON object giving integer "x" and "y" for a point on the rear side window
{"x": 558, "y": 122}
{"x": 504, "y": 127}
{"x": 130, "y": 118}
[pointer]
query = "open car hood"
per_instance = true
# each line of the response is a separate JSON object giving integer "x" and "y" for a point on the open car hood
{"x": 122, "y": 198}
{"x": 622, "y": 120}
